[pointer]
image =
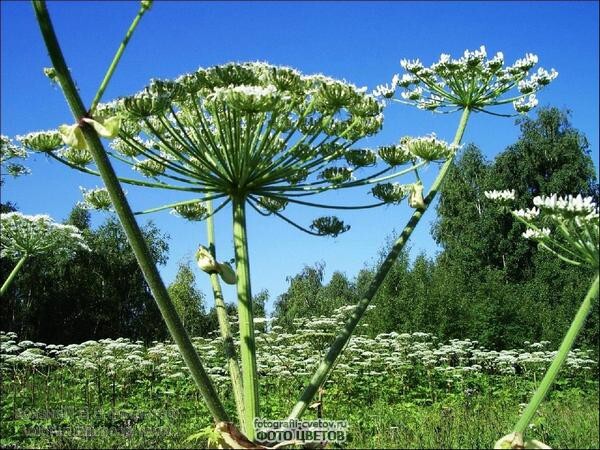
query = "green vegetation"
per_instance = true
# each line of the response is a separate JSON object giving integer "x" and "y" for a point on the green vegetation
{"x": 396, "y": 390}
{"x": 487, "y": 283}
{"x": 262, "y": 135}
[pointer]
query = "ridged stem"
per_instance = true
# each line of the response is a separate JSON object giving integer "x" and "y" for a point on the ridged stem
{"x": 228, "y": 344}
{"x": 245, "y": 315}
{"x": 559, "y": 359}
{"x": 12, "y": 275}
{"x": 127, "y": 219}
{"x": 116, "y": 58}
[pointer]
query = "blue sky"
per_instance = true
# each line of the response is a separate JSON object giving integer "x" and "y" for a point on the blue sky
{"x": 361, "y": 42}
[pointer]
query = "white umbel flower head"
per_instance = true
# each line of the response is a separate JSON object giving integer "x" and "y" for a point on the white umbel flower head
{"x": 37, "y": 235}
{"x": 575, "y": 225}
{"x": 472, "y": 81}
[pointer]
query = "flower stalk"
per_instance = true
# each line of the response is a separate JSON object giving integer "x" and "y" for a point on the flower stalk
{"x": 145, "y": 6}
{"x": 228, "y": 344}
{"x": 246, "y": 316}
{"x": 560, "y": 358}
{"x": 13, "y": 274}
{"x": 322, "y": 372}
{"x": 126, "y": 217}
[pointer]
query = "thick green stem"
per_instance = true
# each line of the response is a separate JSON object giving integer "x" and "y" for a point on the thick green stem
{"x": 123, "y": 210}
{"x": 320, "y": 375}
{"x": 246, "y": 316}
{"x": 117, "y": 57}
{"x": 12, "y": 275}
{"x": 228, "y": 344}
{"x": 559, "y": 359}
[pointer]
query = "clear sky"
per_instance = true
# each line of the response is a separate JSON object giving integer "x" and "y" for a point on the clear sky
{"x": 361, "y": 42}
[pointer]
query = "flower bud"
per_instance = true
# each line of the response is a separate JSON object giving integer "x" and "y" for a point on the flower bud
{"x": 227, "y": 273}
{"x": 206, "y": 261}
{"x": 271, "y": 205}
{"x": 361, "y": 158}
{"x": 391, "y": 192}
{"x": 415, "y": 198}
{"x": 395, "y": 155}
{"x": 77, "y": 156}
{"x": 149, "y": 167}
{"x": 146, "y": 5}
{"x": 42, "y": 141}
{"x": 191, "y": 211}
{"x": 329, "y": 226}
{"x": 429, "y": 148}
{"x": 336, "y": 175}
{"x": 98, "y": 198}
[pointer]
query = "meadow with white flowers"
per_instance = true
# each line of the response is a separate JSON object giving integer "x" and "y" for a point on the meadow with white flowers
{"x": 473, "y": 348}
{"x": 114, "y": 392}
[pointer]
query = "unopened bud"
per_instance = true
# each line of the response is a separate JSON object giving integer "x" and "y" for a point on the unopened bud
{"x": 227, "y": 273}
{"x": 206, "y": 261}
{"x": 415, "y": 198}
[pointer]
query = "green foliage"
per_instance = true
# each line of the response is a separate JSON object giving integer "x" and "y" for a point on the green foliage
{"x": 189, "y": 301}
{"x": 508, "y": 290}
{"x": 396, "y": 391}
{"x": 96, "y": 294}
{"x": 307, "y": 296}
{"x": 488, "y": 283}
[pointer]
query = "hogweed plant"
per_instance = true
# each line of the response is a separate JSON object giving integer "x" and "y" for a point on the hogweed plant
{"x": 24, "y": 237}
{"x": 472, "y": 83}
{"x": 253, "y": 134}
{"x": 567, "y": 227}
{"x": 250, "y": 134}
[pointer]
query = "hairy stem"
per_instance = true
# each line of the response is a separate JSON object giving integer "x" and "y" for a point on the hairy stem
{"x": 559, "y": 359}
{"x": 246, "y": 316}
{"x": 127, "y": 219}
{"x": 117, "y": 57}
{"x": 12, "y": 275}
{"x": 228, "y": 345}
{"x": 322, "y": 372}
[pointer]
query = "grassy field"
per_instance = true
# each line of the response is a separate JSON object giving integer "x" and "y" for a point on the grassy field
{"x": 121, "y": 394}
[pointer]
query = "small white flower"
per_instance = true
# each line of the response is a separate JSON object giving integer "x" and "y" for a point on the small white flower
{"x": 527, "y": 214}
{"x": 525, "y": 104}
{"x": 505, "y": 195}
{"x": 530, "y": 233}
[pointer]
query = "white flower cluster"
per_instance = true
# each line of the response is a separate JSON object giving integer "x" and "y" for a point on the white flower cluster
{"x": 541, "y": 78}
{"x": 506, "y": 195}
{"x": 471, "y": 81}
{"x": 37, "y": 235}
{"x": 536, "y": 234}
{"x": 567, "y": 226}
{"x": 527, "y": 214}
{"x": 569, "y": 205}
{"x": 525, "y": 104}
{"x": 287, "y": 355}
{"x": 8, "y": 153}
